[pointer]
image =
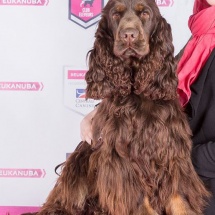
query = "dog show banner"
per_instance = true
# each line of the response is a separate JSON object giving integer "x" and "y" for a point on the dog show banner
{"x": 43, "y": 49}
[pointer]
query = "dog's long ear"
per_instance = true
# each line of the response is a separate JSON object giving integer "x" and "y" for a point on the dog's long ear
{"x": 106, "y": 75}
{"x": 157, "y": 78}
{"x": 98, "y": 86}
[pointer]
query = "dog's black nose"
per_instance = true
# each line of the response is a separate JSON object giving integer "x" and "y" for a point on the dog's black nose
{"x": 129, "y": 34}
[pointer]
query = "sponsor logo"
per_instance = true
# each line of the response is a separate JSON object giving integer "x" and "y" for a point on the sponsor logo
{"x": 22, "y": 173}
{"x": 24, "y": 2}
{"x": 74, "y": 92}
{"x": 21, "y": 86}
{"x": 80, "y": 93}
{"x": 85, "y": 12}
{"x": 164, "y": 3}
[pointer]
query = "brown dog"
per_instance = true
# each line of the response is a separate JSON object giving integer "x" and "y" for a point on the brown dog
{"x": 139, "y": 162}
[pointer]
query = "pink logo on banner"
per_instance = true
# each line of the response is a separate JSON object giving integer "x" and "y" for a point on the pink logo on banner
{"x": 24, "y": 2}
{"x": 164, "y": 3}
{"x": 85, "y": 12}
{"x": 22, "y": 173}
{"x": 21, "y": 86}
{"x": 15, "y": 210}
{"x": 76, "y": 74}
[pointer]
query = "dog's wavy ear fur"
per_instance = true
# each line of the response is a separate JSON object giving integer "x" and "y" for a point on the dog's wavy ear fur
{"x": 157, "y": 78}
{"x": 106, "y": 75}
{"x": 98, "y": 86}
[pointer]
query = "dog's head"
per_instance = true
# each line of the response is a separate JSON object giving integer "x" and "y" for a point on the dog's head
{"x": 132, "y": 50}
{"x": 132, "y": 24}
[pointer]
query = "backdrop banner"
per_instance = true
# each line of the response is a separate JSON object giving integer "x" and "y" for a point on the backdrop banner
{"x": 43, "y": 49}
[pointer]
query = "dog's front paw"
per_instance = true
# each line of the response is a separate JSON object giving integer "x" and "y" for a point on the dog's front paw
{"x": 178, "y": 206}
{"x": 147, "y": 208}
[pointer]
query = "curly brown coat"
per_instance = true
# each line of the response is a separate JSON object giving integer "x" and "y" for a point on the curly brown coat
{"x": 140, "y": 159}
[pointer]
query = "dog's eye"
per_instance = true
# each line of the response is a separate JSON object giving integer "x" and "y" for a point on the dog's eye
{"x": 116, "y": 16}
{"x": 144, "y": 15}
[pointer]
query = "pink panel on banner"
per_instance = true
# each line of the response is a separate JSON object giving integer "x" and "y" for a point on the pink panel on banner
{"x": 24, "y": 2}
{"x": 164, "y": 3}
{"x": 86, "y": 10}
{"x": 76, "y": 74}
{"x": 21, "y": 86}
{"x": 22, "y": 173}
{"x": 17, "y": 210}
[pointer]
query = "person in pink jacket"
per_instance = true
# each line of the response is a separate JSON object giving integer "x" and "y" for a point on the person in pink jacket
{"x": 196, "y": 89}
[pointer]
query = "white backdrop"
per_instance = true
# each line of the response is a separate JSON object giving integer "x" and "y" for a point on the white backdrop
{"x": 42, "y": 65}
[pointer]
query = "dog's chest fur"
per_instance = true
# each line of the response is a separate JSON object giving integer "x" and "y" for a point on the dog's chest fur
{"x": 136, "y": 122}
{"x": 136, "y": 141}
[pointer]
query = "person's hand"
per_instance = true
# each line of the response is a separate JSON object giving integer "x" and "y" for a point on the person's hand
{"x": 86, "y": 126}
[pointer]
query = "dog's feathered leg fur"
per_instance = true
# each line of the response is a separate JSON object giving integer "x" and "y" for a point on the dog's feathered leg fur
{"x": 68, "y": 197}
